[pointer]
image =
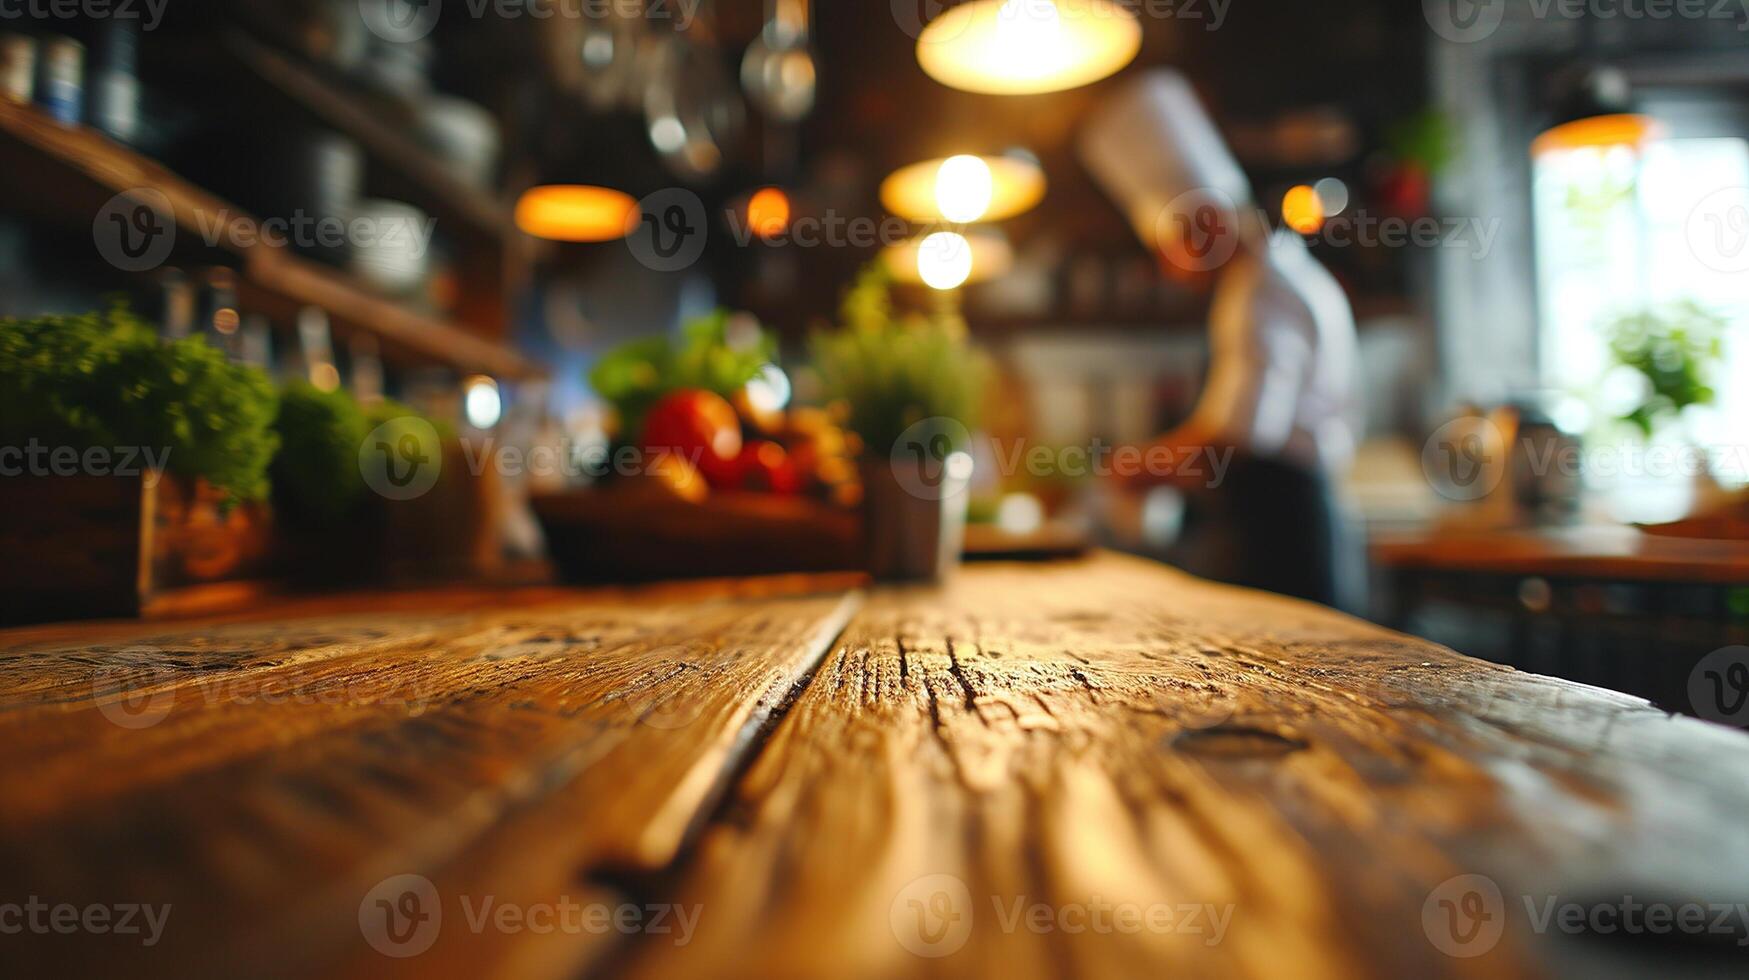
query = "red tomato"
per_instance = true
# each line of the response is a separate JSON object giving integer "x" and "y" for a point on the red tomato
{"x": 701, "y": 428}
{"x": 765, "y": 466}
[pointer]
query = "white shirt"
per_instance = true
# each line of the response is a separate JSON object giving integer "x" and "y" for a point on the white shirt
{"x": 1284, "y": 367}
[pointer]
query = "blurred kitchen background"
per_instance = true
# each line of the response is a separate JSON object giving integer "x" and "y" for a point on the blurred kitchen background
{"x": 1520, "y": 289}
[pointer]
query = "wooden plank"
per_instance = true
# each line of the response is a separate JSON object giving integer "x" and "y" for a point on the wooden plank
{"x": 262, "y": 778}
{"x": 1109, "y": 734}
{"x": 1600, "y": 552}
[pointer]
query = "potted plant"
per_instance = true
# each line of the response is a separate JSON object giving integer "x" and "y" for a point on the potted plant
{"x": 1674, "y": 349}
{"x": 126, "y": 464}
{"x": 912, "y": 383}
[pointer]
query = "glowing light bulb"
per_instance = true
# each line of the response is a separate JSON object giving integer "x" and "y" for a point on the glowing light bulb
{"x": 964, "y": 188}
{"x": 944, "y": 260}
{"x": 1032, "y": 31}
{"x": 768, "y": 212}
{"x": 1302, "y": 210}
{"x": 482, "y": 404}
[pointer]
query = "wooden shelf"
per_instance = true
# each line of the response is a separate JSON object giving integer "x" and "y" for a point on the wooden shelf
{"x": 427, "y": 180}
{"x": 66, "y": 173}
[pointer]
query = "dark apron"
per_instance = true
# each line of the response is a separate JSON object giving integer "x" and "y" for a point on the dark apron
{"x": 1272, "y": 525}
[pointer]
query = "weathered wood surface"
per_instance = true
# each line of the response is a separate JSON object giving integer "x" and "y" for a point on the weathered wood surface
{"x": 261, "y": 778}
{"x": 1105, "y": 740}
{"x": 1112, "y": 732}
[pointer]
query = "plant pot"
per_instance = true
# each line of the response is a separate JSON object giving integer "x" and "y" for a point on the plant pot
{"x": 914, "y": 516}
{"x": 92, "y": 546}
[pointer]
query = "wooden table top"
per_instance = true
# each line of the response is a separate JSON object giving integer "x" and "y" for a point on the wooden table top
{"x": 1099, "y": 767}
{"x": 1618, "y": 552}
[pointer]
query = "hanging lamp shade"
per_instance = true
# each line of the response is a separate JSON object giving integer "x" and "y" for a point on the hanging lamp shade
{"x": 1598, "y": 113}
{"x": 964, "y": 188}
{"x": 1023, "y": 47}
{"x": 949, "y": 259}
{"x": 576, "y": 213}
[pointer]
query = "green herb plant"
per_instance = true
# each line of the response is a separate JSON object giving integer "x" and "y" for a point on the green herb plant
{"x": 316, "y": 478}
{"x": 896, "y": 369}
{"x": 1675, "y": 347}
{"x": 106, "y": 380}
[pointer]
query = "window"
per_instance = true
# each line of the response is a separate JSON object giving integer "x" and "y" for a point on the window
{"x": 1620, "y": 232}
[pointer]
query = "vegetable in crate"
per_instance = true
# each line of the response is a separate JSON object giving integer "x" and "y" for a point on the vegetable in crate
{"x": 105, "y": 380}
{"x": 718, "y": 353}
{"x": 316, "y": 476}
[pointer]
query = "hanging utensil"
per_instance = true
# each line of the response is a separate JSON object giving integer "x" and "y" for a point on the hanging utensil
{"x": 608, "y": 53}
{"x": 778, "y": 69}
{"x": 691, "y": 108}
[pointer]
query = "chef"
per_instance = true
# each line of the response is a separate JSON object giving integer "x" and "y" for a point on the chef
{"x": 1280, "y": 390}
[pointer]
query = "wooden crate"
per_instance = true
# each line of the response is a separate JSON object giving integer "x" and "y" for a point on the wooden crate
{"x": 93, "y": 546}
{"x": 631, "y": 535}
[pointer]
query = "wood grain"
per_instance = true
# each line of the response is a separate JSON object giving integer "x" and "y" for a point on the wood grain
{"x": 1110, "y": 732}
{"x": 1101, "y": 767}
{"x": 261, "y": 778}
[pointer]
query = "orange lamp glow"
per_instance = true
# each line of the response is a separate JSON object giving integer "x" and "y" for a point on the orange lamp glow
{"x": 576, "y": 213}
{"x": 1617, "y": 129}
{"x": 947, "y": 260}
{"x": 1022, "y": 47}
{"x": 768, "y": 212}
{"x": 964, "y": 188}
{"x": 1303, "y": 210}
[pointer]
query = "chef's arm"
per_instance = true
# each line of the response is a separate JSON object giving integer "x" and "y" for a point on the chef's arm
{"x": 1253, "y": 389}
